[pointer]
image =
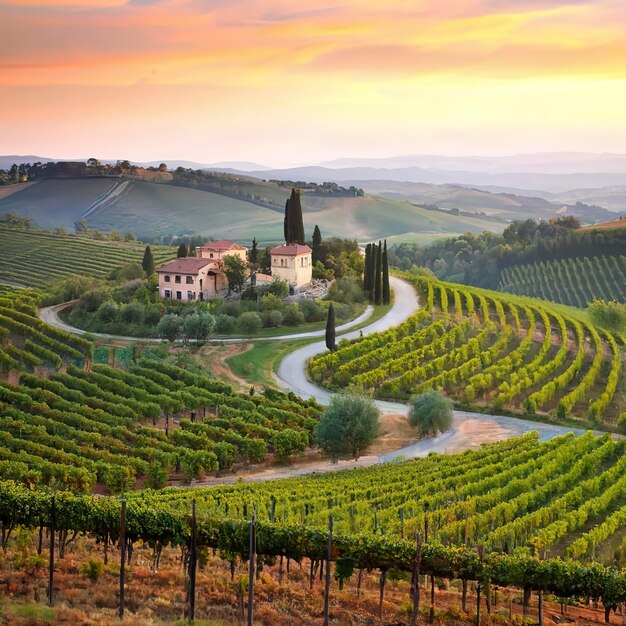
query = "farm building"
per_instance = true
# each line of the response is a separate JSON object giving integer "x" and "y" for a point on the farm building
{"x": 201, "y": 277}
{"x": 292, "y": 263}
{"x": 191, "y": 279}
{"x": 217, "y": 250}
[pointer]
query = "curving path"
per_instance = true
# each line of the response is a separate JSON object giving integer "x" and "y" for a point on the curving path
{"x": 50, "y": 315}
{"x": 469, "y": 430}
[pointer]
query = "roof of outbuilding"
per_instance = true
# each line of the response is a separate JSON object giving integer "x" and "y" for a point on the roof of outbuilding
{"x": 222, "y": 245}
{"x": 187, "y": 265}
{"x": 292, "y": 249}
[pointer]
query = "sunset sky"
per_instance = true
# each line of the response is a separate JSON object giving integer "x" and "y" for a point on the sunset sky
{"x": 291, "y": 82}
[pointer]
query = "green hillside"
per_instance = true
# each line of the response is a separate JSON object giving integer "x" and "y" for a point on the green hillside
{"x": 239, "y": 209}
{"x": 490, "y": 350}
{"x": 52, "y": 203}
{"x": 575, "y": 281}
{"x": 38, "y": 258}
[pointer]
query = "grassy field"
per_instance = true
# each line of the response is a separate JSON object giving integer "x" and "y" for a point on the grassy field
{"x": 258, "y": 364}
{"x": 52, "y": 203}
{"x": 154, "y": 210}
{"x": 151, "y": 209}
{"x": 39, "y": 258}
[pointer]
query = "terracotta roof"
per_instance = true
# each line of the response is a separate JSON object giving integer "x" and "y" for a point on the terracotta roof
{"x": 292, "y": 249}
{"x": 187, "y": 265}
{"x": 221, "y": 245}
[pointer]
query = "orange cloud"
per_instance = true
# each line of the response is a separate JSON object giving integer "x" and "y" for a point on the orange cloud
{"x": 343, "y": 67}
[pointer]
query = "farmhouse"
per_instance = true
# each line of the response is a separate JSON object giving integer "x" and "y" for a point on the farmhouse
{"x": 201, "y": 277}
{"x": 293, "y": 264}
{"x": 217, "y": 250}
{"x": 191, "y": 279}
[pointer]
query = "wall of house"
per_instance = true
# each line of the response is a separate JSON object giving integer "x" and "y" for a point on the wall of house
{"x": 218, "y": 256}
{"x": 202, "y": 286}
{"x": 295, "y": 270}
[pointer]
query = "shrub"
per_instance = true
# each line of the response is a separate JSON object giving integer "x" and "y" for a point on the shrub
{"x": 249, "y": 323}
{"x": 292, "y": 315}
{"x": 348, "y": 425}
{"x": 225, "y": 324}
{"x": 272, "y": 319}
{"x": 92, "y": 569}
{"x": 430, "y": 413}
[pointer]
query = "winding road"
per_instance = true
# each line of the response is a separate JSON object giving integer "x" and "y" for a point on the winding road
{"x": 470, "y": 430}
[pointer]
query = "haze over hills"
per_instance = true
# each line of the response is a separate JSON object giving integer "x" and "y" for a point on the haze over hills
{"x": 414, "y": 198}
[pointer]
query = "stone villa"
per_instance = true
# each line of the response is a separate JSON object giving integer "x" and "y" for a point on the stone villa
{"x": 292, "y": 263}
{"x": 202, "y": 277}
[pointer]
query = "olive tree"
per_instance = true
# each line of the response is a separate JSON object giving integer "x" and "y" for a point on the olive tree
{"x": 348, "y": 425}
{"x": 430, "y": 413}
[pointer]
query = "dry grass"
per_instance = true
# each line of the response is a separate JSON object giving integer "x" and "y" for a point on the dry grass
{"x": 159, "y": 597}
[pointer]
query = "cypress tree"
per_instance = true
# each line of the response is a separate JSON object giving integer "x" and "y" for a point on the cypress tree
{"x": 293, "y": 225}
{"x": 386, "y": 286}
{"x": 182, "y": 251}
{"x": 366, "y": 267}
{"x": 330, "y": 329}
{"x": 378, "y": 291}
{"x": 147, "y": 263}
{"x": 317, "y": 242}
{"x": 254, "y": 253}
{"x": 372, "y": 272}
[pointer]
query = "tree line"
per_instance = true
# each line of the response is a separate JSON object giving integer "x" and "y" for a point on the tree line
{"x": 479, "y": 259}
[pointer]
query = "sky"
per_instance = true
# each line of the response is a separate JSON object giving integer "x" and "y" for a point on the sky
{"x": 283, "y": 82}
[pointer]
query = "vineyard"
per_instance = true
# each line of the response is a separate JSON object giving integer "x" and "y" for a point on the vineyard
{"x": 573, "y": 281}
{"x": 77, "y": 426}
{"x": 487, "y": 350}
{"x": 497, "y": 516}
{"x": 39, "y": 258}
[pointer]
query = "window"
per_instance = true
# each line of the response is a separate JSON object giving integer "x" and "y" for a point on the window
{"x": 211, "y": 255}
{"x": 179, "y": 295}
{"x": 282, "y": 262}
{"x": 190, "y": 280}
{"x": 167, "y": 278}
{"x": 167, "y": 293}
{"x": 191, "y": 295}
{"x": 177, "y": 280}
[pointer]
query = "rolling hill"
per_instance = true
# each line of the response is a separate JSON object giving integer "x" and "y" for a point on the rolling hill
{"x": 240, "y": 208}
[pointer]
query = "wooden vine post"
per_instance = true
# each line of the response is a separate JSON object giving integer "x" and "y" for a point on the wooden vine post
{"x": 193, "y": 559}
{"x": 251, "y": 571}
{"x": 329, "y": 556}
{"x": 53, "y": 515}
{"x": 122, "y": 556}
{"x": 416, "y": 581}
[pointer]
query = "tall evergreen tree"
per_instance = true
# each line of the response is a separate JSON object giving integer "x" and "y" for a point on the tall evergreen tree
{"x": 378, "y": 284}
{"x": 286, "y": 222}
{"x": 386, "y": 285}
{"x": 372, "y": 272}
{"x": 317, "y": 242}
{"x": 182, "y": 251}
{"x": 330, "y": 329}
{"x": 293, "y": 225}
{"x": 254, "y": 253}
{"x": 366, "y": 267}
{"x": 147, "y": 263}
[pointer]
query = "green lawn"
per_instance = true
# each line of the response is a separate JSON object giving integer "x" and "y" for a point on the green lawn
{"x": 258, "y": 364}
